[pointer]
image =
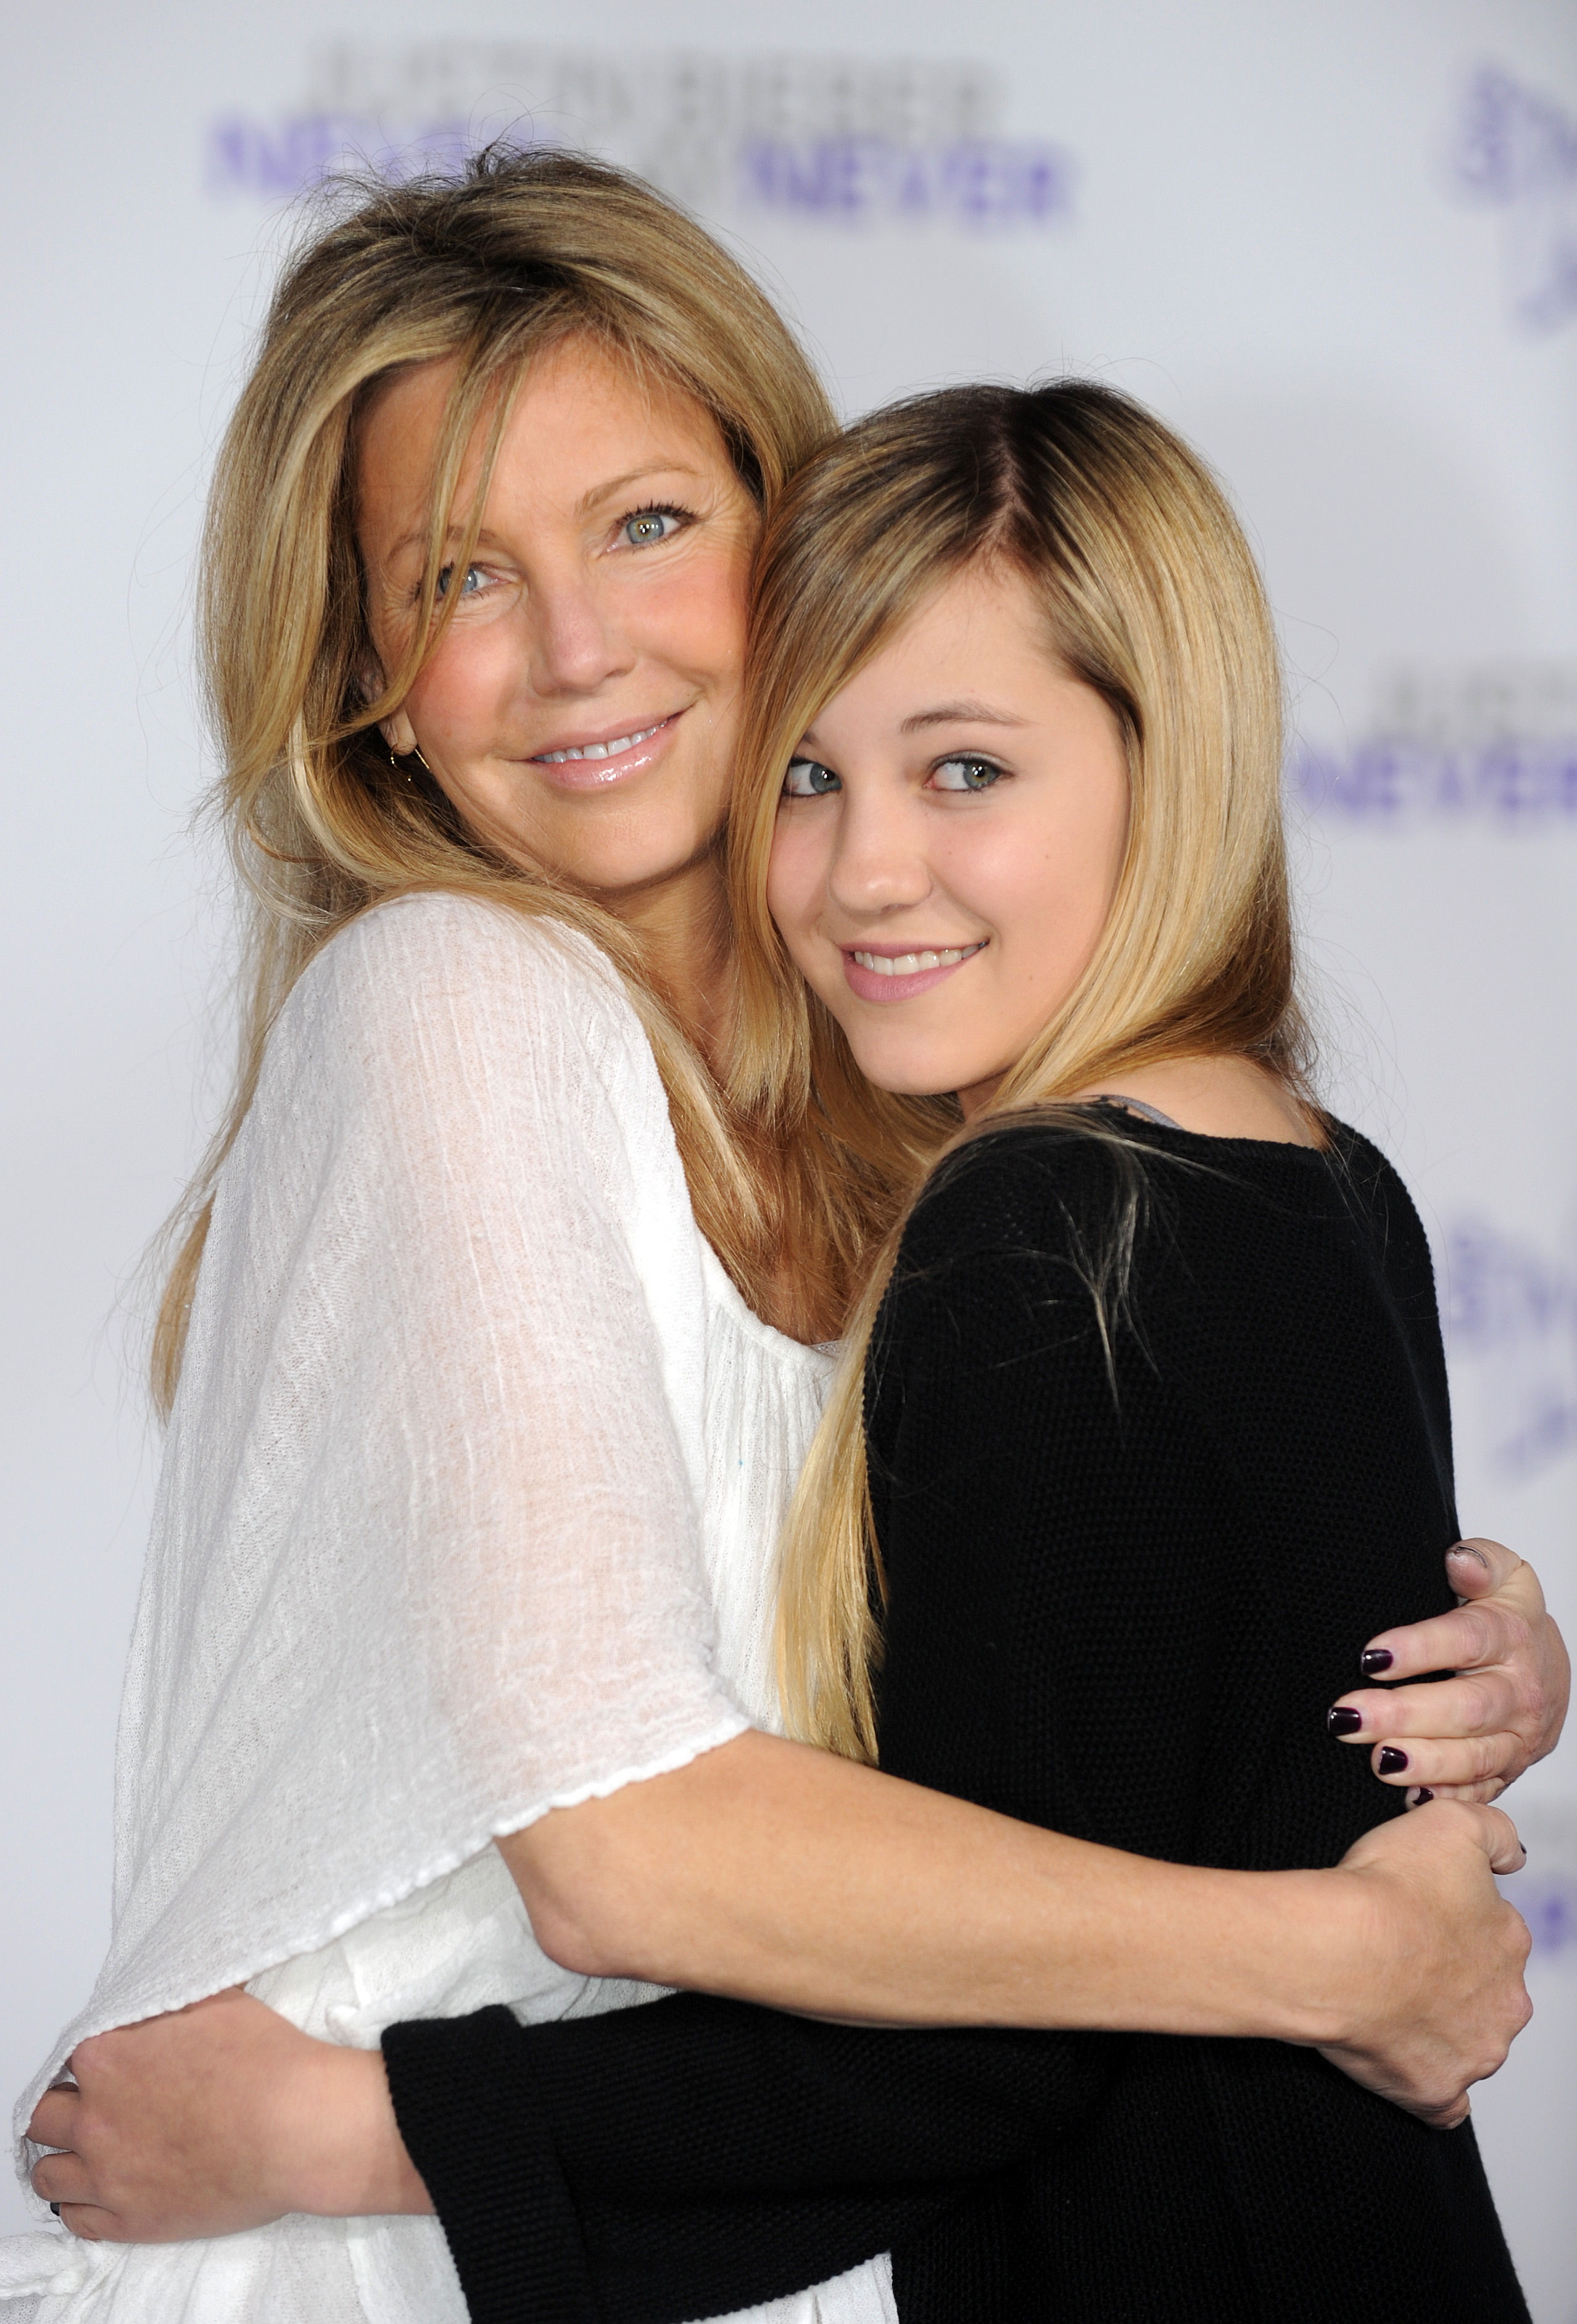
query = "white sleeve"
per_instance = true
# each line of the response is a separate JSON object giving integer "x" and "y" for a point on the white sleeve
{"x": 427, "y": 1561}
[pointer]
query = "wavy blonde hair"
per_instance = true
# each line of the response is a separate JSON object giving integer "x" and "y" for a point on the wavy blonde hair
{"x": 492, "y": 267}
{"x": 1151, "y": 596}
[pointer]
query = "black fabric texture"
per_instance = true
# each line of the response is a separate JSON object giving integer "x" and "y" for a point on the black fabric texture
{"x": 497, "y": 2188}
{"x": 1132, "y": 1548}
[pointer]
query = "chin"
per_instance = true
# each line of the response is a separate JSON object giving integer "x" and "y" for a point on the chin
{"x": 903, "y": 1077}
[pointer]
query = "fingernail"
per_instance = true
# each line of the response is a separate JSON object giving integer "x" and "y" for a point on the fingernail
{"x": 55, "y": 2209}
{"x": 1392, "y": 1761}
{"x": 1420, "y": 1795}
{"x": 1344, "y": 1720}
{"x": 1466, "y": 1549}
{"x": 1375, "y": 1659}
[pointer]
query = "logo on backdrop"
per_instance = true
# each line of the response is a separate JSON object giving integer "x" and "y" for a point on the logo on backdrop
{"x": 1515, "y": 150}
{"x": 1494, "y": 745}
{"x": 821, "y": 141}
{"x": 1511, "y": 1316}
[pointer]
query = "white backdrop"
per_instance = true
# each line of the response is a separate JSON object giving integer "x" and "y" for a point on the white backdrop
{"x": 1335, "y": 243}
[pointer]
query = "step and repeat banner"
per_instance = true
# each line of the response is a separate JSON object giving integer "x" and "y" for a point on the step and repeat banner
{"x": 1335, "y": 244}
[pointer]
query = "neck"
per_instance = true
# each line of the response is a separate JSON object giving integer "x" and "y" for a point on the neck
{"x": 682, "y": 921}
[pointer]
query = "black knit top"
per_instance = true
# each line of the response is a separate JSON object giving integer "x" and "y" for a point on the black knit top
{"x": 1134, "y": 1535}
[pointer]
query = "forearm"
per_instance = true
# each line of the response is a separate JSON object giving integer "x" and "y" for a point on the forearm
{"x": 770, "y": 1872}
{"x": 701, "y": 2155}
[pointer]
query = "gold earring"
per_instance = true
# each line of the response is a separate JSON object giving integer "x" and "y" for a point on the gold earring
{"x": 413, "y": 753}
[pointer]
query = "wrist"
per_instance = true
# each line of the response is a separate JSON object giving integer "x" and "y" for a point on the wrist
{"x": 349, "y": 2160}
{"x": 1303, "y": 1965}
{"x": 1322, "y": 1958}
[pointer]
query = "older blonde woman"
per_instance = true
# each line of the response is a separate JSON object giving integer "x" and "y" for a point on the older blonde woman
{"x": 495, "y": 1347}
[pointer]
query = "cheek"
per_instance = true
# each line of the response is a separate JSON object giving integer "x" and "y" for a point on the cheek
{"x": 1044, "y": 882}
{"x": 796, "y": 882}
{"x": 459, "y": 694}
{"x": 699, "y": 627}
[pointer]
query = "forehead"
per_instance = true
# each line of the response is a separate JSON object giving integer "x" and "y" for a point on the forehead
{"x": 988, "y": 614}
{"x": 581, "y": 418}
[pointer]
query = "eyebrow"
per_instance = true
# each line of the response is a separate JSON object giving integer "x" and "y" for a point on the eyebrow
{"x": 634, "y": 476}
{"x": 969, "y": 712}
{"x": 417, "y": 536}
{"x": 417, "y": 539}
{"x": 946, "y": 714}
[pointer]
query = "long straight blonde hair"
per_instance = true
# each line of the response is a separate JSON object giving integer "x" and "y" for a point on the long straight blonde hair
{"x": 490, "y": 268}
{"x": 1152, "y": 597}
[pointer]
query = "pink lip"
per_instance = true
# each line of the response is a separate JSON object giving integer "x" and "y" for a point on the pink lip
{"x": 867, "y": 984}
{"x": 599, "y": 774}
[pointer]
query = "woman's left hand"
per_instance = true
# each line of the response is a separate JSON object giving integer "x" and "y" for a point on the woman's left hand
{"x": 213, "y": 2119}
{"x": 1467, "y": 1736}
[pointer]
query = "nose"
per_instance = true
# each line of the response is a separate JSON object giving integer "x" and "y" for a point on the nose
{"x": 879, "y": 860}
{"x": 575, "y": 647}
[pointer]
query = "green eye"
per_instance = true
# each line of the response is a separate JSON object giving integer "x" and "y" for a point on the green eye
{"x": 966, "y": 775}
{"x": 809, "y": 778}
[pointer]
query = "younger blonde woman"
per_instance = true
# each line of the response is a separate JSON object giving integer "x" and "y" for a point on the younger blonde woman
{"x": 1149, "y": 1382}
{"x": 478, "y": 1452}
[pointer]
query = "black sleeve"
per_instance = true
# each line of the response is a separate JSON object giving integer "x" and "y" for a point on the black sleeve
{"x": 697, "y": 2156}
{"x": 716, "y": 2154}
{"x": 1407, "y": 1269}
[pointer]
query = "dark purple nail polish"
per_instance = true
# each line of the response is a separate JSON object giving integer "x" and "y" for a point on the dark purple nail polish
{"x": 1344, "y": 1720}
{"x": 1374, "y": 1660}
{"x": 55, "y": 2209}
{"x": 1421, "y": 1794}
{"x": 1392, "y": 1761}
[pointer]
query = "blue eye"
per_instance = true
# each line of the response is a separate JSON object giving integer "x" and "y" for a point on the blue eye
{"x": 965, "y": 775}
{"x": 647, "y": 527}
{"x": 473, "y": 576}
{"x": 809, "y": 778}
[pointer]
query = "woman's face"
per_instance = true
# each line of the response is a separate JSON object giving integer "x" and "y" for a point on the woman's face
{"x": 581, "y": 705}
{"x": 949, "y": 842}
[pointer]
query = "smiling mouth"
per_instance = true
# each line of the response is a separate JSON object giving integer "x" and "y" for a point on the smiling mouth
{"x": 913, "y": 964}
{"x": 603, "y": 750}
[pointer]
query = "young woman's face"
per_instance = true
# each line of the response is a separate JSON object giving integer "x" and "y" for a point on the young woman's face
{"x": 949, "y": 842}
{"x": 582, "y": 702}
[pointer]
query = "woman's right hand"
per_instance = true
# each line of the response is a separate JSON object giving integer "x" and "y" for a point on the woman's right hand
{"x": 1434, "y": 1994}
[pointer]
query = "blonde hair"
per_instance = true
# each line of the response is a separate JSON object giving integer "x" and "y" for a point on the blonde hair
{"x": 1152, "y": 597}
{"x": 492, "y": 267}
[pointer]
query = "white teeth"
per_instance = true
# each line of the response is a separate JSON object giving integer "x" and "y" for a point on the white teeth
{"x": 599, "y": 749}
{"x": 910, "y": 963}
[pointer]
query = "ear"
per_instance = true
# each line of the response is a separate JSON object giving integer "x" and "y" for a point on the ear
{"x": 399, "y": 733}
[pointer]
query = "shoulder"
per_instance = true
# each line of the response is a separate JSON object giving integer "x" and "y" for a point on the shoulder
{"x": 1026, "y": 1190}
{"x": 434, "y": 1013}
{"x": 1377, "y": 1195}
{"x": 1019, "y": 1245}
{"x": 1372, "y": 1181}
{"x": 425, "y": 982}
{"x": 441, "y": 947}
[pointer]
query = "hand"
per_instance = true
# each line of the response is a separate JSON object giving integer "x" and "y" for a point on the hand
{"x": 1467, "y": 1738}
{"x": 1434, "y": 1990}
{"x": 214, "y": 2118}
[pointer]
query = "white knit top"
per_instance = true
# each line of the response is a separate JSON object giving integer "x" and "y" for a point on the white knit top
{"x": 467, "y": 1512}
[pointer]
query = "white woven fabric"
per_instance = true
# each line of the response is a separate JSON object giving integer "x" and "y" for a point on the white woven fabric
{"x": 467, "y": 1512}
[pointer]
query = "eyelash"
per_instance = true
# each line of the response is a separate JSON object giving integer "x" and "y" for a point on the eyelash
{"x": 970, "y": 759}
